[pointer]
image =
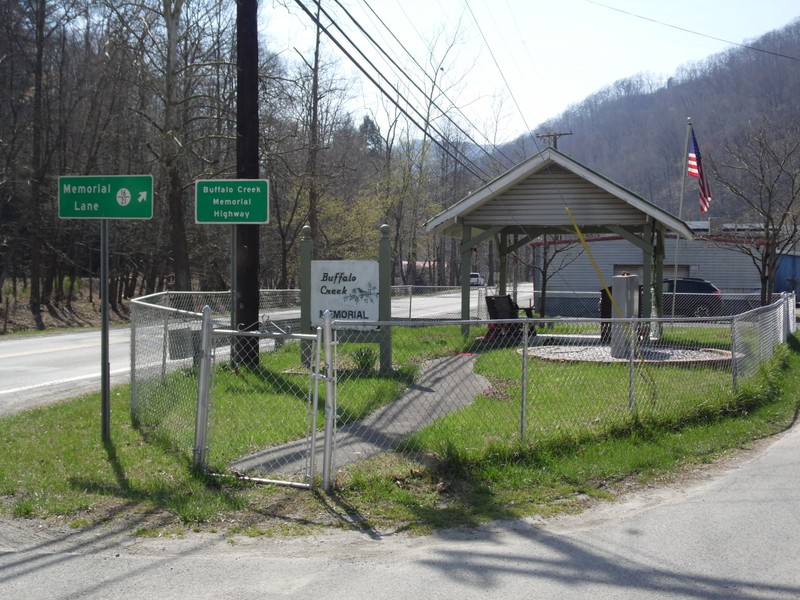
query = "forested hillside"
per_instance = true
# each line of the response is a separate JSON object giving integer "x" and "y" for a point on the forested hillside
{"x": 148, "y": 87}
{"x": 634, "y": 131}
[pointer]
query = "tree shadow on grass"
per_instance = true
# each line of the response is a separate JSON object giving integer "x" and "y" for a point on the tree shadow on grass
{"x": 178, "y": 495}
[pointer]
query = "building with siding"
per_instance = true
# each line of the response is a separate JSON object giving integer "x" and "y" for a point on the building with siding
{"x": 573, "y": 271}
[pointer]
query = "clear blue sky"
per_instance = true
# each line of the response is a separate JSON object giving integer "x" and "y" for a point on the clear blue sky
{"x": 515, "y": 63}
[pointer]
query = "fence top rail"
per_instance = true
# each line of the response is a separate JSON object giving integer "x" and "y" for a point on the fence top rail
{"x": 761, "y": 309}
{"x": 149, "y": 298}
{"x": 198, "y": 293}
{"x": 265, "y": 334}
{"x": 169, "y": 309}
{"x": 370, "y": 325}
{"x": 778, "y": 298}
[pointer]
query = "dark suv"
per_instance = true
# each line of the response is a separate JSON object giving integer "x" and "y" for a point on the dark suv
{"x": 693, "y": 297}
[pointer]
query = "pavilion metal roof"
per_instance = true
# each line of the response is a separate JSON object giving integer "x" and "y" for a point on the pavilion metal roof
{"x": 532, "y": 197}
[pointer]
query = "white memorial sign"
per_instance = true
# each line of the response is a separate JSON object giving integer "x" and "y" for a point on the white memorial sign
{"x": 347, "y": 288}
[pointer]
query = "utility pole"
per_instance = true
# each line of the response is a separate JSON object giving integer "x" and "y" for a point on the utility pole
{"x": 247, "y": 236}
{"x": 553, "y": 137}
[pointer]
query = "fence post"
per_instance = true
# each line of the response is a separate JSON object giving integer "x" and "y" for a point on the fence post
{"x": 788, "y": 313}
{"x": 524, "y": 399}
{"x": 330, "y": 401}
{"x": 306, "y": 256}
{"x": 134, "y": 318}
{"x": 165, "y": 348}
{"x": 785, "y": 318}
{"x": 203, "y": 387}
{"x": 734, "y": 353}
{"x": 632, "y": 332}
{"x": 312, "y": 466}
{"x": 385, "y": 299}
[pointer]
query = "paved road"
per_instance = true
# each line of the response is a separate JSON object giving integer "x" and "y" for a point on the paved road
{"x": 38, "y": 369}
{"x": 735, "y": 535}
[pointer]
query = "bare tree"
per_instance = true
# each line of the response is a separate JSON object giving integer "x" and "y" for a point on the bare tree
{"x": 36, "y": 39}
{"x": 16, "y": 80}
{"x": 409, "y": 189}
{"x": 175, "y": 43}
{"x": 551, "y": 255}
{"x": 305, "y": 132}
{"x": 761, "y": 169}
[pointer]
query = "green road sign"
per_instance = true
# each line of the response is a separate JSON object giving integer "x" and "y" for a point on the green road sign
{"x": 105, "y": 197}
{"x": 232, "y": 201}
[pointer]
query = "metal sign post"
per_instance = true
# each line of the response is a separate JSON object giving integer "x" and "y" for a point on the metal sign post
{"x": 105, "y": 370}
{"x": 105, "y": 197}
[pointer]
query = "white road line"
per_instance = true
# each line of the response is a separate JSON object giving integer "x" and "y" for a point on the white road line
{"x": 60, "y": 381}
{"x": 59, "y": 349}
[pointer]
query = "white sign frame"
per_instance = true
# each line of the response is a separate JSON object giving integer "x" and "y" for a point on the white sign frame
{"x": 347, "y": 288}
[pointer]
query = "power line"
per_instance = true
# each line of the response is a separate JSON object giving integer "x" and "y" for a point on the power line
{"x": 438, "y": 87}
{"x": 520, "y": 226}
{"x": 679, "y": 28}
{"x": 472, "y": 167}
{"x": 499, "y": 68}
{"x": 432, "y": 80}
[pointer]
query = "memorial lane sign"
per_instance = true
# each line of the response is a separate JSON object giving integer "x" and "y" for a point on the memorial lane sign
{"x": 232, "y": 201}
{"x": 105, "y": 197}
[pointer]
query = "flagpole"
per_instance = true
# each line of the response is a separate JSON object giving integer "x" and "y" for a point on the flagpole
{"x": 680, "y": 209}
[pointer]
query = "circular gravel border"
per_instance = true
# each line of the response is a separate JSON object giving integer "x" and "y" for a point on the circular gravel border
{"x": 658, "y": 355}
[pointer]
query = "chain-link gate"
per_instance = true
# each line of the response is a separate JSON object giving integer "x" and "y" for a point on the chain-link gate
{"x": 435, "y": 396}
{"x": 257, "y": 416}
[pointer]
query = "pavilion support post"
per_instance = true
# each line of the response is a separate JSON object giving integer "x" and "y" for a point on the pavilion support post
{"x": 658, "y": 276}
{"x": 647, "y": 269}
{"x": 466, "y": 266}
{"x": 502, "y": 247}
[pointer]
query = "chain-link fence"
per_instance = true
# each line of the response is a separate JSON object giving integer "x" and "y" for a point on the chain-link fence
{"x": 262, "y": 406}
{"x": 435, "y": 302}
{"x": 544, "y": 381}
{"x": 231, "y": 398}
{"x": 590, "y": 304}
{"x": 165, "y": 339}
{"x": 446, "y": 386}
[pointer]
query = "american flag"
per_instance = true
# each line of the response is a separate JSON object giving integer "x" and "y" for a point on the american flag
{"x": 694, "y": 168}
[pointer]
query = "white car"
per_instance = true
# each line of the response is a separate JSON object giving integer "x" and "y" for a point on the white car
{"x": 476, "y": 279}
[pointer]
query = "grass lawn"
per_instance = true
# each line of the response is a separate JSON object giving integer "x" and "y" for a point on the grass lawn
{"x": 53, "y": 465}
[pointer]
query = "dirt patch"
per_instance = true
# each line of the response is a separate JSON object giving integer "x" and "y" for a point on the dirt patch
{"x": 82, "y": 311}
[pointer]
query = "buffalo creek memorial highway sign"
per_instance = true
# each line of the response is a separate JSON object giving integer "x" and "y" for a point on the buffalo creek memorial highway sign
{"x": 232, "y": 201}
{"x": 105, "y": 197}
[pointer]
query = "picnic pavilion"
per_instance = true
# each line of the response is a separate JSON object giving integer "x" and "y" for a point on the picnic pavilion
{"x": 550, "y": 193}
